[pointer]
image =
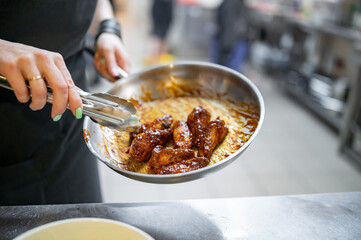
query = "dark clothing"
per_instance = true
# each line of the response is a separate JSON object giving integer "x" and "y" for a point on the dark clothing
{"x": 41, "y": 161}
{"x": 57, "y": 25}
{"x": 232, "y": 28}
{"x": 162, "y": 15}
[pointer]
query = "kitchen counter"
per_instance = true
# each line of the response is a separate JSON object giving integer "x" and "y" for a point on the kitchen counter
{"x": 314, "y": 216}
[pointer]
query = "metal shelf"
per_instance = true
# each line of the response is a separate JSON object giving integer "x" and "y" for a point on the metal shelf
{"x": 332, "y": 120}
{"x": 341, "y": 120}
{"x": 327, "y": 28}
{"x": 352, "y": 154}
{"x": 331, "y": 29}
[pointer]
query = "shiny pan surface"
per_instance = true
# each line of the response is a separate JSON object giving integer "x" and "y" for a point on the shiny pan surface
{"x": 210, "y": 76}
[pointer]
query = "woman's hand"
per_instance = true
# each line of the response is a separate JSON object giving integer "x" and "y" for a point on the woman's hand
{"x": 110, "y": 56}
{"x": 21, "y": 64}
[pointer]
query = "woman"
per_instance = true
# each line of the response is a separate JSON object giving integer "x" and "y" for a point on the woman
{"x": 162, "y": 15}
{"x": 44, "y": 160}
{"x": 232, "y": 36}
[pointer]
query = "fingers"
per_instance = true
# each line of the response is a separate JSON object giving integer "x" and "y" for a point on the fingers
{"x": 55, "y": 80}
{"x": 38, "y": 92}
{"x": 60, "y": 81}
{"x": 110, "y": 56}
{"x": 123, "y": 60}
{"x": 112, "y": 65}
{"x": 36, "y": 83}
{"x": 100, "y": 65}
{"x": 75, "y": 102}
{"x": 29, "y": 67}
{"x": 109, "y": 63}
{"x": 17, "y": 82}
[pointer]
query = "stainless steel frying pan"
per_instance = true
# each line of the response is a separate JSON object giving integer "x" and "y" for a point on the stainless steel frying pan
{"x": 209, "y": 75}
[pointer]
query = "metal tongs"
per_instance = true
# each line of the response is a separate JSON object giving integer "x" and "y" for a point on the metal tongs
{"x": 103, "y": 108}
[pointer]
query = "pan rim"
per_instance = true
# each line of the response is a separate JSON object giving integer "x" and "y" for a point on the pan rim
{"x": 192, "y": 175}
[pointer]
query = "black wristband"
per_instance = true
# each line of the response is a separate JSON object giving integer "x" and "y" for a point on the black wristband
{"x": 110, "y": 25}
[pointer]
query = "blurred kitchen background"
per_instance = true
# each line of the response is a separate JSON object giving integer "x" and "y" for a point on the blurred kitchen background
{"x": 303, "y": 55}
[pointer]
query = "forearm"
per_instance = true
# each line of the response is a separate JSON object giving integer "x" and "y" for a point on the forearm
{"x": 110, "y": 52}
{"x": 103, "y": 11}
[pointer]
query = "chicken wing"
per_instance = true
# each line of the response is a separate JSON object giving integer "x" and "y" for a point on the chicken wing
{"x": 215, "y": 133}
{"x": 181, "y": 135}
{"x": 198, "y": 120}
{"x": 183, "y": 166}
{"x": 160, "y": 123}
{"x": 165, "y": 156}
{"x": 144, "y": 143}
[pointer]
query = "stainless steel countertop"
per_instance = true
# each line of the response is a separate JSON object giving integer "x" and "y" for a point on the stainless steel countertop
{"x": 315, "y": 216}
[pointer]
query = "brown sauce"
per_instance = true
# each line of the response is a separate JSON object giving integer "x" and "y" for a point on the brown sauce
{"x": 178, "y": 100}
{"x": 86, "y": 135}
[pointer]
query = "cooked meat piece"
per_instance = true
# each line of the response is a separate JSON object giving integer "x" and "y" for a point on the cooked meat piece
{"x": 160, "y": 123}
{"x": 182, "y": 135}
{"x": 135, "y": 133}
{"x": 198, "y": 120}
{"x": 144, "y": 143}
{"x": 165, "y": 156}
{"x": 215, "y": 133}
{"x": 183, "y": 166}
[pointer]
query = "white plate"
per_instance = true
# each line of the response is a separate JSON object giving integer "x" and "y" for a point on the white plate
{"x": 84, "y": 229}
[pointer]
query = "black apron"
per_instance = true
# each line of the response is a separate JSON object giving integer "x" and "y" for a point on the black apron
{"x": 41, "y": 161}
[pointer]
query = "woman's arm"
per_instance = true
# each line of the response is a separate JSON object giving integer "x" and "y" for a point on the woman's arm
{"x": 111, "y": 53}
{"x": 104, "y": 10}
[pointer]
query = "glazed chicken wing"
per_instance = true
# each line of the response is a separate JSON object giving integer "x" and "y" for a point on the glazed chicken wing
{"x": 144, "y": 143}
{"x": 215, "y": 133}
{"x": 198, "y": 120}
{"x": 181, "y": 135}
{"x": 160, "y": 123}
{"x": 183, "y": 166}
{"x": 165, "y": 156}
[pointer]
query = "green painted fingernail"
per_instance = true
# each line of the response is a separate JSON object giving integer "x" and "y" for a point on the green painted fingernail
{"x": 78, "y": 113}
{"x": 57, "y": 118}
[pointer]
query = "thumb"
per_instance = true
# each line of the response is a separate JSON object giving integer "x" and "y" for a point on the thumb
{"x": 111, "y": 64}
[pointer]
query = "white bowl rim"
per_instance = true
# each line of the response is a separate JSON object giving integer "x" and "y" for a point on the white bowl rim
{"x": 93, "y": 219}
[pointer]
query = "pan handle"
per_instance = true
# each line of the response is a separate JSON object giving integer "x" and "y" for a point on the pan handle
{"x": 122, "y": 73}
